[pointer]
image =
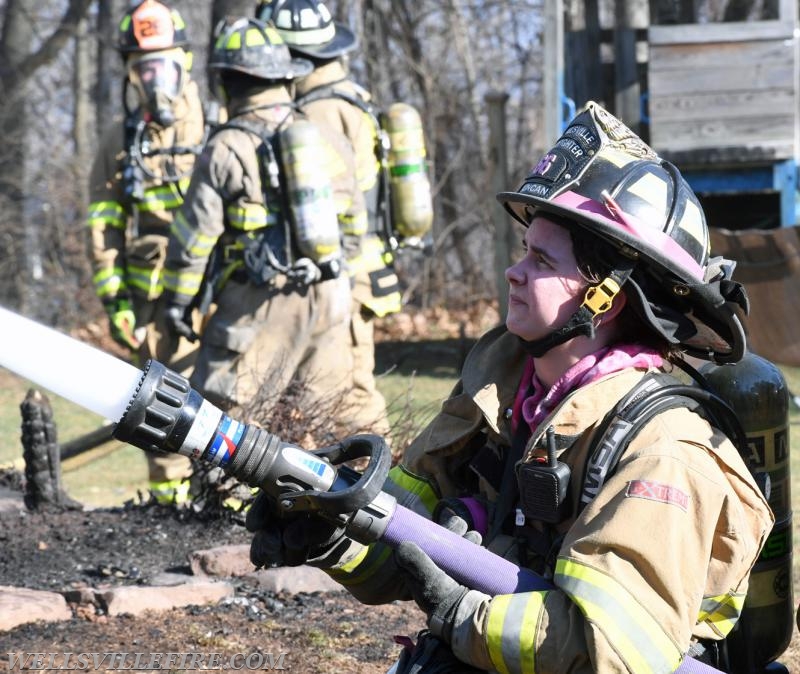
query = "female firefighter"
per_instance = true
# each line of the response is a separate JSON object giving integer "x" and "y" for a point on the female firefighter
{"x": 650, "y": 555}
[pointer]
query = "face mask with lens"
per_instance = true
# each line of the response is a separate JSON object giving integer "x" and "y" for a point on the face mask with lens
{"x": 158, "y": 79}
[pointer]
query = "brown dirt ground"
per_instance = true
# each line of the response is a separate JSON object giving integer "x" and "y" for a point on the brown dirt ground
{"x": 319, "y": 633}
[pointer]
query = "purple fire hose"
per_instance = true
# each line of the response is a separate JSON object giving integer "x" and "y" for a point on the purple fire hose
{"x": 478, "y": 568}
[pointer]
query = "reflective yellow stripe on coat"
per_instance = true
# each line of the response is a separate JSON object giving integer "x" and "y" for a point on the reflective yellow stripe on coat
{"x": 370, "y": 266}
{"x": 182, "y": 283}
{"x": 192, "y": 241}
{"x": 511, "y": 628}
{"x": 627, "y": 625}
{"x": 165, "y": 197}
{"x": 722, "y": 611}
{"x": 102, "y": 213}
{"x": 146, "y": 279}
{"x": 249, "y": 217}
{"x": 411, "y": 491}
{"x": 109, "y": 282}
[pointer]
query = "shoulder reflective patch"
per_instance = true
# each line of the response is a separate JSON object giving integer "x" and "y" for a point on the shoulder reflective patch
{"x": 655, "y": 491}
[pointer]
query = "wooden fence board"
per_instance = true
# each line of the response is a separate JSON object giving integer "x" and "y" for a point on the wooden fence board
{"x": 755, "y": 77}
{"x": 775, "y": 132}
{"x": 693, "y": 57}
{"x": 722, "y": 105}
{"x": 720, "y": 32}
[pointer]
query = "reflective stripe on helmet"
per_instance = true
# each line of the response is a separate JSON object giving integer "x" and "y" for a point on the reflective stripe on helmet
{"x": 308, "y": 27}
{"x": 628, "y": 626}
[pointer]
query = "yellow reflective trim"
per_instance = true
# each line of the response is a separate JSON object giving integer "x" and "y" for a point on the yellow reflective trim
{"x": 367, "y": 180}
{"x": 528, "y": 628}
{"x": 721, "y": 612}
{"x": 177, "y": 20}
{"x": 182, "y": 283}
{"x": 234, "y": 41}
{"x": 145, "y": 278}
{"x": 511, "y": 632}
{"x": 355, "y": 225}
{"x": 273, "y": 35}
{"x": 349, "y": 567}
{"x": 627, "y": 625}
{"x": 170, "y": 491}
{"x": 419, "y": 487}
{"x": 162, "y": 197}
{"x": 101, "y": 213}
{"x": 249, "y": 217}
{"x": 109, "y": 282}
{"x": 254, "y": 38}
{"x": 376, "y": 555}
{"x": 367, "y": 260}
{"x": 190, "y": 239}
{"x": 494, "y": 631}
{"x": 384, "y": 306}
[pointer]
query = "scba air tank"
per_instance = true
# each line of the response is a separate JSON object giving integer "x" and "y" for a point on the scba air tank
{"x": 310, "y": 193}
{"x": 757, "y": 392}
{"x": 412, "y": 203}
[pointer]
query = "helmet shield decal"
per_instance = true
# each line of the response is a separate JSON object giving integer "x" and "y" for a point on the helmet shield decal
{"x": 151, "y": 26}
{"x": 601, "y": 178}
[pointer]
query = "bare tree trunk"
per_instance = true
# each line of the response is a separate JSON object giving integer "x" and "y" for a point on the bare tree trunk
{"x": 82, "y": 124}
{"x": 460, "y": 37}
{"x": 17, "y": 66}
{"x": 106, "y": 57}
{"x": 17, "y": 36}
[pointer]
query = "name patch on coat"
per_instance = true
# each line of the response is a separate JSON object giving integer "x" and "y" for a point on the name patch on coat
{"x": 655, "y": 491}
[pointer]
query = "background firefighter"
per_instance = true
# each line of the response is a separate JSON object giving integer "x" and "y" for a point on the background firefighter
{"x": 329, "y": 96}
{"x": 282, "y": 307}
{"x": 137, "y": 183}
{"x": 615, "y": 284}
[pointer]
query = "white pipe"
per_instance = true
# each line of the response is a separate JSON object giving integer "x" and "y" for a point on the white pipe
{"x": 74, "y": 370}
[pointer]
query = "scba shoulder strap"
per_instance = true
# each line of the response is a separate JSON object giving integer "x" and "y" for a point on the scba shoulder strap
{"x": 330, "y": 91}
{"x": 653, "y": 395}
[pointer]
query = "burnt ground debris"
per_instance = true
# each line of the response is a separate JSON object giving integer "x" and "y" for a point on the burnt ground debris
{"x": 65, "y": 550}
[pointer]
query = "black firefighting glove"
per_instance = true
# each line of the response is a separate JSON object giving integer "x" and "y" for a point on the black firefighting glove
{"x": 178, "y": 320}
{"x": 122, "y": 322}
{"x": 292, "y": 539}
{"x": 436, "y": 593}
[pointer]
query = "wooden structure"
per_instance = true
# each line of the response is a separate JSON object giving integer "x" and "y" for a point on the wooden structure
{"x": 723, "y": 105}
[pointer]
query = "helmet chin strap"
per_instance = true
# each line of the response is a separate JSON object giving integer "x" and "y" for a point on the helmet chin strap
{"x": 596, "y": 301}
{"x": 580, "y": 323}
